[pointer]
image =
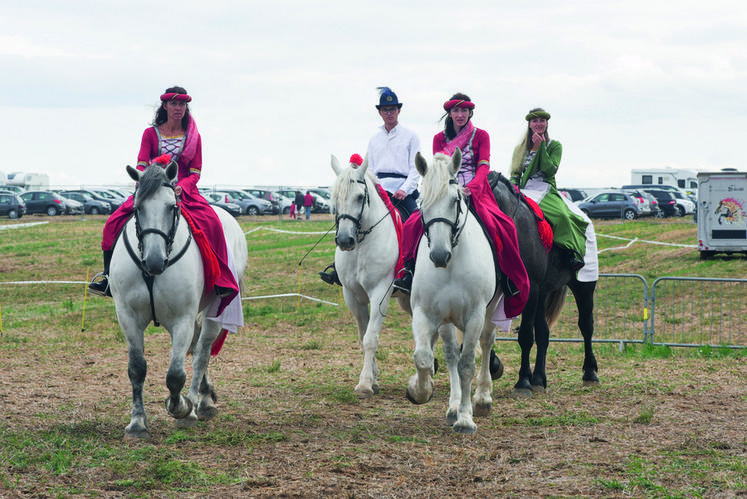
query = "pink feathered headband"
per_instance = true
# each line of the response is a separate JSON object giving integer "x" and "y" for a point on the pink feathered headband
{"x": 175, "y": 96}
{"x": 458, "y": 103}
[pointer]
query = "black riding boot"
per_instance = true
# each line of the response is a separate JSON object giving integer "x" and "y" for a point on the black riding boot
{"x": 574, "y": 260}
{"x": 404, "y": 281}
{"x": 508, "y": 286}
{"x": 101, "y": 286}
{"x": 330, "y": 277}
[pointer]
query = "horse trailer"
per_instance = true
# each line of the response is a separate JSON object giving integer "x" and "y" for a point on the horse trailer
{"x": 721, "y": 213}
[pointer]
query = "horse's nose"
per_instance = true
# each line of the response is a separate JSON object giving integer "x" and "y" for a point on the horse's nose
{"x": 345, "y": 243}
{"x": 155, "y": 265}
{"x": 440, "y": 258}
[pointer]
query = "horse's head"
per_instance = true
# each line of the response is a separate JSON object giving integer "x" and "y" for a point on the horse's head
{"x": 156, "y": 214}
{"x": 350, "y": 197}
{"x": 442, "y": 204}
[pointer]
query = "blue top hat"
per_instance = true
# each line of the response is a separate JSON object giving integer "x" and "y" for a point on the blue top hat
{"x": 387, "y": 98}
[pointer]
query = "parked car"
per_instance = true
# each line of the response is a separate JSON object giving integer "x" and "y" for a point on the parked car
{"x": 667, "y": 202}
{"x": 90, "y": 206}
{"x": 284, "y": 203}
{"x": 610, "y": 204}
{"x": 685, "y": 205}
{"x": 216, "y": 199}
{"x": 72, "y": 207}
{"x": 11, "y": 205}
{"x": 573, "y": 194}
{"x": 112, "y": 197}
{"x": 113, "y": 201}
{"x": 250, "y": 205}
{"x": 16, "y": 189}
{"x": 321, "y": 205}
{"x": 648, "y": 204}
{"x": 45, "y": 202}
{"x": 267, "y": 196}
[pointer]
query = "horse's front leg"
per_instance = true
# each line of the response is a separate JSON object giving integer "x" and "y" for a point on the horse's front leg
{"x": 466, "y": 367}
{"x": 420, "y": 385}
{"x": 137, "y": 369}
{"x": 451, "y": 353}
{"x": 523, "y": 387}
{"x": 177, "y": 405}
{"x": 542, "y": 340}
{"x": 583, "y": 293}
{"x": 201, "y": 393}
{"x": 482, "y": 399}
{"x": 369, "y": 325}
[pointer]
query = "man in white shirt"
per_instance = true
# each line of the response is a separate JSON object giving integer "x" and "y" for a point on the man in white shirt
{"x": 391, "y": 157}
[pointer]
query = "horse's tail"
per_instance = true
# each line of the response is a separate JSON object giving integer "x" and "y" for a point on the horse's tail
{"x": 554, "y": 305}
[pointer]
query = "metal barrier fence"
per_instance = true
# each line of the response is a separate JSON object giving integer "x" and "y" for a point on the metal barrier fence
{"x": 677, "y": 311}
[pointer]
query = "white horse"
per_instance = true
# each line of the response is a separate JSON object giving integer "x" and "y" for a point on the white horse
{"x": 454, "y": 285}
{"x": 365, "y": 260}
{"x": 156, "y": 245}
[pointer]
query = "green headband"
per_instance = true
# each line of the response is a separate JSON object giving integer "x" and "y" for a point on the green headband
{"x": 537, "y": 114}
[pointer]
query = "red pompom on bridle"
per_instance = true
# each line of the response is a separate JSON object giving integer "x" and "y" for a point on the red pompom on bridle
{"x": 356, "y": 159}
{"x": 163, "y": 160}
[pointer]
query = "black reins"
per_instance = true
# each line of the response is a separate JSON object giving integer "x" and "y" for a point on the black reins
{"x": 169, "y": 238}
{"x": 456, "y": 230}
{"x": 360, "y": 235}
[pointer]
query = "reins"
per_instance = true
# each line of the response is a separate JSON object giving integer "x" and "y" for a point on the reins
{"x": 169, "y": 238}
{"x": 456, "y": 231}
{"x": 360, "y": 235}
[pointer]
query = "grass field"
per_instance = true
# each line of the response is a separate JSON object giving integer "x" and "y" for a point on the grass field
{"x": 665, "y": 422}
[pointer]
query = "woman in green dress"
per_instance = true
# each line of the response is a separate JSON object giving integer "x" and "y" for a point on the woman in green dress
{"x": 533, "y": 167}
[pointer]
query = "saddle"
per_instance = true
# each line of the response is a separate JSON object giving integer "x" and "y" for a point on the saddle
{"x": 543, "y": 226}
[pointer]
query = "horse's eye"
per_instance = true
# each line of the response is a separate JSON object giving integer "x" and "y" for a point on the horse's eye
{"x": 360, "y": 198}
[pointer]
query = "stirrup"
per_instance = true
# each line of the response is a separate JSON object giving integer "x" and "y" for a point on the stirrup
{"x": 404, "y": 283}
{"x": 330, "y": 277}
{"x": 100, "y": 287}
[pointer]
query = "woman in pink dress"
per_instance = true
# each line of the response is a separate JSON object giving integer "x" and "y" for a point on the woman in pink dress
{"x": 174, "y": 133}
{"x": 474, "y": 144}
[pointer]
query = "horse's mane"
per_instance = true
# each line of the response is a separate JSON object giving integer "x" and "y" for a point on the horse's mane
{"x": 345, "y": 179}
{"x": 436, "y": 180}
{"x": 153, "y": 178}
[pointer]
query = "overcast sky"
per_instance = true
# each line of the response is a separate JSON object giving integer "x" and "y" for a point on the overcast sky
{"x": 279, "y": 85}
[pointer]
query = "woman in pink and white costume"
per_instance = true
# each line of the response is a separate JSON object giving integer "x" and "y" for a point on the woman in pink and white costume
{"x": 174, "y": 136}
{"x": 474, "y": 144}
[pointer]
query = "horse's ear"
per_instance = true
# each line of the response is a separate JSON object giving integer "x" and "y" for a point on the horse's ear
{"x": 133, "y": 173}
{"x": 171, "y": 170}
{"x": 421, "y": 164}
{"x": 456, "y": 161}
{"x": 364, "y": 166}
{"x": 335, "y": 164}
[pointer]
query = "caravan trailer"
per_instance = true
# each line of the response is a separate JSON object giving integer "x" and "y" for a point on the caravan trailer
{"x": 722, "y": 213}
{"x": 685, "y": 179}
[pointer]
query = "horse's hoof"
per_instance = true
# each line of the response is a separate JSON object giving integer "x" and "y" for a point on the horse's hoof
{"x": 451, "y": 417}
{"x": 137, "y": 435}
{"x": 590, "y": 378}
{"x": 464, "y": 429}
{"x": 364, "y": 394}
{"x": 185, "y": 406}
{"x": 416, "y": 402}
{"x": 521, "y": 393}
{"x": 188, "y": 422}
{"x": 482, "y": 410}
{"x": 538, "y": 389}
{"x": 206, "y": 412}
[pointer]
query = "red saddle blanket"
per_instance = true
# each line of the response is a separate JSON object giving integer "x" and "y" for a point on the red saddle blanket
{"x": 397, "y": 219}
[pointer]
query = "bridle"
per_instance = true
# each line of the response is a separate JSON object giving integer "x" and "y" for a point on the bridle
{"x": 140, "y": 233}
{"x": 456, "y": 229}
{"x": 360, "y": 235}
